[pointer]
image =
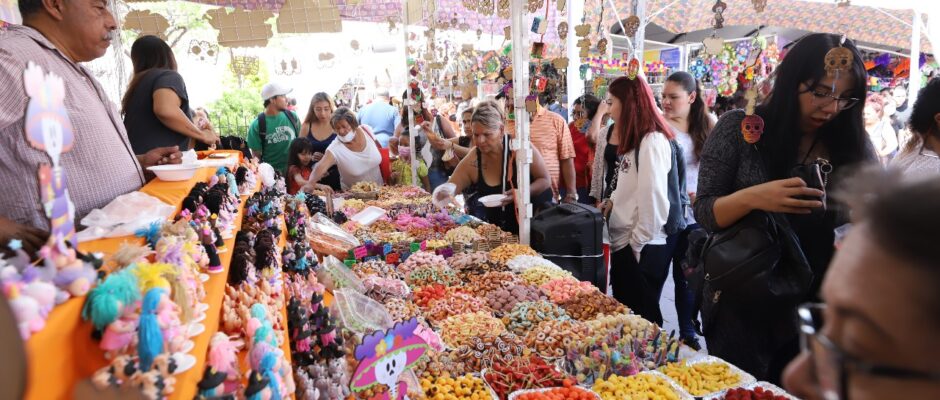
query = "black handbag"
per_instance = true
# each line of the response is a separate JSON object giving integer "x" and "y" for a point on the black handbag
{"x": 757, "y": 260}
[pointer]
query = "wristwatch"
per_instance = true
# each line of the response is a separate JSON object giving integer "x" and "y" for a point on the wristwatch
{"x": 572, "y": 194}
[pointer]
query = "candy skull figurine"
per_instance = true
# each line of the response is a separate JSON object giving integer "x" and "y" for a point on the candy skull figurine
{"x": 752, "y": 127}
{"x": 633, "y": 68}
{"x": 631, "y": 25}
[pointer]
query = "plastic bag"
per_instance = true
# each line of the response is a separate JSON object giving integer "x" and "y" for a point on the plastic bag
{"x": 124, "y": 215}
{"x": 329, "y": 239}
{"x": 359, "y": 313}
{"x": 333, "y": 274}
{"x": 443, "y": 195}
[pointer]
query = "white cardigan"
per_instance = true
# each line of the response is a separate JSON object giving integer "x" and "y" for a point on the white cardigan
{"x": 641, "y": 202}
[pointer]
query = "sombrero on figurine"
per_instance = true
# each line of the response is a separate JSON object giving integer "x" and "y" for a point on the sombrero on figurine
{"x": 394, "y": 351}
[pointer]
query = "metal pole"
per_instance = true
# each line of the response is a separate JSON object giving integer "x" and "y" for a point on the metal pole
{"x": 520, "y": 88}
{"x": 913, "y": 84}
{"x": 405, "y": 102}
{"x": 573, "y": 76}
{"x": 640, "y": 11}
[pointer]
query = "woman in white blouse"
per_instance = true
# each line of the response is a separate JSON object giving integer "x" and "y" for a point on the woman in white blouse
{"x": 639, "y": 206}
{"x": 919, "y": 158}
{"x": 354, "y": 152}
{"x": 883, "y": 136}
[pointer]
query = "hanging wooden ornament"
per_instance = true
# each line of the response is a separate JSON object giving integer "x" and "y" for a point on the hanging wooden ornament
{"x": 538, "y": 50}
{"x": 507, "y": 33}
{"x": 602, "y": 46}
{"x": 719, "y": 9}
{"x": 631, "y": 25}
{"x": 560, "y": 63}
{"x": 752, "y": 126}
{"x": 562, "y": 30}
{"x": 479, "y": 33}
{"x": 713, "y": 45}
{"x": 838, "y": 60}
{"x": 582, "y": 30}
{"x": 633, "y": 68}
{"x": 541, "y": 83}
{"x": 534, "y": 5}
{"x": 759, "y": 5}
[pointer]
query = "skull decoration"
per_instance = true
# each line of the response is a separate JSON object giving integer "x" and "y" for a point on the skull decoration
{"x": 752, "y": 127}
{"x": 839, "y": 59}
{"x": 582, "y": 30}
{"x": 562, "y": 30}
{"x": 633, "y": 68}
{"x": 602, "y": 46}
{"x": 759, "y": 5}
{"x": 631, "y": 24}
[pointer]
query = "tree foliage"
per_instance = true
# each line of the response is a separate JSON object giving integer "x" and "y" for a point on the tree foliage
{"x": 233, "y": 112}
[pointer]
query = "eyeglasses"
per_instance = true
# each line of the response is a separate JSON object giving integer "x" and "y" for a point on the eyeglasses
{"x": 578, "y": 114}
{"x": 831, "y": 365}
{"x": 823, "y": 99}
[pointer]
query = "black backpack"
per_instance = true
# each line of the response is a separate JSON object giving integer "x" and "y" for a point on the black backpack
{"x": 263, "y": 126}
{"x": 679, "y": 201}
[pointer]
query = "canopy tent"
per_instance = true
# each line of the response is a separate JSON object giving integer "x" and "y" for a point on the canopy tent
{"x": 685, "y": 21}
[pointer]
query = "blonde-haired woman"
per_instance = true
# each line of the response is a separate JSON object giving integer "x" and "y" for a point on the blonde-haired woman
{"x": 489, "y": 169}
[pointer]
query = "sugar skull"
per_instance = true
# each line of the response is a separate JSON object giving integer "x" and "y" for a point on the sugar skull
{"x": 633, "y": 68}
{"x": 563, "y": 30}
{"x": 752, "y": 127}
{"x": 837, "y": 60}
{"x": 759, "y": 5}
{"x": 631, "y": 25}
{"x": 602, "y": 46}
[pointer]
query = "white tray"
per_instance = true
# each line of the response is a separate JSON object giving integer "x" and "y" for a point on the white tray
{"x": 746, "y": 378}
{"x": 368, "y": 215}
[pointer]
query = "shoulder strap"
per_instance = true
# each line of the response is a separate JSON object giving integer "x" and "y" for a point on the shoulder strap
{"x": 262, "y": 130}
{"x": 293, "y": 121}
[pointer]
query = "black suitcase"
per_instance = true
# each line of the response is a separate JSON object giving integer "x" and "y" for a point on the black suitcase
{"x": 570, "y": 235}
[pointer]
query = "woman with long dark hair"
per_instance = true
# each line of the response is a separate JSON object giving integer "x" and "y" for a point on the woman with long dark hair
{"x": 583, "y": 111}
{"x": 639, "y": 203}
{"x": 686, "y": 112}
{"x": 811, "y": 117}
{"x": 317, "y": 129}
{"x": 156, "y": 105}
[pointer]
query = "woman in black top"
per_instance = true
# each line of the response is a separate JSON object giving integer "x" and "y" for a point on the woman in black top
{"x": 156, "y": 105}
{"x": 809, "y": 115}
{"x": 317, "y": 129}
{"x": 492, "y": 161}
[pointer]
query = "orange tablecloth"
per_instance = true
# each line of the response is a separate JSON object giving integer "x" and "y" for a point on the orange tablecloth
{"x": 64, "y": 352}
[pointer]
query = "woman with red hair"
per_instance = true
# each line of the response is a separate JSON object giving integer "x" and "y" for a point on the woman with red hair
{"x": 638, "y": 204}
{"x": 878, "y": 125}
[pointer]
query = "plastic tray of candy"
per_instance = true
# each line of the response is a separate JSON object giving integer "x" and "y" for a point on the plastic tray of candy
{"x": 767, "y": 386}
{"x": 515, "y": 395}
{"x": 746, "y": 378}
{"x": 676, "y": 388}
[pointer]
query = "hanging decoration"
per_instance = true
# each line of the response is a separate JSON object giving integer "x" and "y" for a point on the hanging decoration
{"x": 752, "y": 126}
{"x": 243, "y": 66}
{"x": 759, "y": 5}
{"x": 288, "y": 68}
{"x": 719, "y": 9}
{"x": 633, "y": 68}
{"x": 631, "y": 25}
{"x": 602, "y": 46}
{"x": 534, "y": 5}
{"x": 146, "y": 23}
{"x": 308, "y": 16}
{"x": 562, "y": 30}
{"x": 838, "y": 60}
{"x": 241, "y": 28}
{"x": 204, "y": 51}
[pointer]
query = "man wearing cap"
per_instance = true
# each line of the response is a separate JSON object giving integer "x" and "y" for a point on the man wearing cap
{"x": 270, "y": 135}
{"x": 381, "y": 116}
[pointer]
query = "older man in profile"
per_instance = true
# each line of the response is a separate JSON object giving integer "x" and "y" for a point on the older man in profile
{"x": 58, "y": 35}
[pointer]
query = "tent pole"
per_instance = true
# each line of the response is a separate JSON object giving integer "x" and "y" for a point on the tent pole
{"x": 573, "y": 76}
{"x": 913, "y": 84}
{"x": 405, "y": 102}
{"x": 520, "y": 78}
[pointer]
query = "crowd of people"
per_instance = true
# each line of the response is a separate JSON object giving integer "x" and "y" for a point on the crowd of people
{"x": 663, "y": 178}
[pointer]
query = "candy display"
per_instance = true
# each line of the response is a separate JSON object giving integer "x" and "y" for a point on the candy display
{"x": 757, "y": 393}
{"x": 562, "y": 289}
{"x": 454, "y": 303}
{"x": 431, "y": 275}
{"x": 523, "y": 373}
{"x": 457, "y": 330}
{"x": 706, "y": 377}
{"x": 465, "y": 387}
{"x": 486, "y": 349}
{"x": 421, "y": 259}
{"x": 364, "y": 187}
{"x": 528, "y": 314}
{"x": 502, "y": 300}
{"x": 509, "y": 251}
{"x": 519, "y": 264}
{"x": 462, "y": 234}
{"x": 540, "y": 275}
{"x": 553, "y": 339}
{"x": 566, "y": 393}
{"x": 588, "y": 305}
{"x": 644, "y": 385}
{"x": 481, "y": 285}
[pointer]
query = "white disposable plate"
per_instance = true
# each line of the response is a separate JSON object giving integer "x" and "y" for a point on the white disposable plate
{"x": 368, "y": 215}
{"x": 187, "y": 346}
{"x": 195, "y": 329}
{"x": 202, "y": 307}
{"x": 174, "y": 172}
{"x": 220, "y": 155}
{"x": 184, "y": 362}
{"x": 493, "y": 200}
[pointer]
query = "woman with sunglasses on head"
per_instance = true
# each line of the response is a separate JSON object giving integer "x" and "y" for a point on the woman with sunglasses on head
{"x": 871, "y": 339}
{"x": 686, "y": 112}
{"x": 812, "y": 122}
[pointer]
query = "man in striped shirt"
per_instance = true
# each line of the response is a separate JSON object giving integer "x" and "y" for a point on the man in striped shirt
{"x": 548, "y": 132}
{"x": 58, "y": 35}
